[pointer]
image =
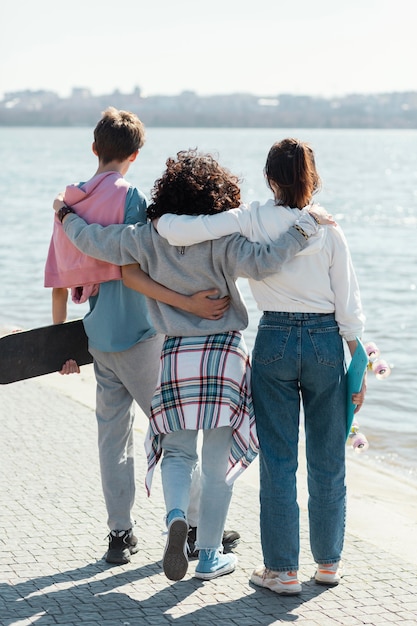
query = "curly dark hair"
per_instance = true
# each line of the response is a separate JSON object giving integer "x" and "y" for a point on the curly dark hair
{"x": 194, "y": 184}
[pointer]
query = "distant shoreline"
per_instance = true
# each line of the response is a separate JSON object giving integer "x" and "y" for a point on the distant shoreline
{"x": 397, "y": 110}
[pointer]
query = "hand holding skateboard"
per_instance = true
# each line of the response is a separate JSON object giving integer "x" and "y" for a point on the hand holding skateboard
{"x": 70, "y": 367}
{"x": 40, "y": 351}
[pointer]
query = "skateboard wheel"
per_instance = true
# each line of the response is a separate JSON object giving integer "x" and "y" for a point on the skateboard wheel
{"x": 359, "y": 443}
{"x": 372, "y": 351}
{"x": 381, "y": 369}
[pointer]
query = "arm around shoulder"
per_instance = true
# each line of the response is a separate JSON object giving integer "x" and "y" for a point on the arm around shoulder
{"x": 254, "y": 260}
{"x": 186, "y": 230}
{"x": 117, "y": 243}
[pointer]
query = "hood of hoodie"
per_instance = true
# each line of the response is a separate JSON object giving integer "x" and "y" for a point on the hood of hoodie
{"x": 101, "y": 199}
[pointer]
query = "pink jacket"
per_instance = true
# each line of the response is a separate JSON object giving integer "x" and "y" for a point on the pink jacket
{"x": 101, "y": 200}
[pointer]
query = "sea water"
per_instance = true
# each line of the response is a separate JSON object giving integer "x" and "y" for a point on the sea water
{"x": 369, "y": 183}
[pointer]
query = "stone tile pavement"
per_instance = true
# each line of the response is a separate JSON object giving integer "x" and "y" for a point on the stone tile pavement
{"x": 52, "y": 540}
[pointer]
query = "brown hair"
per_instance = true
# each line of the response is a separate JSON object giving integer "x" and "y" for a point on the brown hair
{"x": 194, "y": 184}
{"x": 118, "y": 135}
{"x": 291, "y": 166}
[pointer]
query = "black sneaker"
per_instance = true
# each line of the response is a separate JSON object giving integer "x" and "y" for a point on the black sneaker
{"x": 192, "y": 537}
{"x": 122, "y": 543}
{"x": 230, "y": 540}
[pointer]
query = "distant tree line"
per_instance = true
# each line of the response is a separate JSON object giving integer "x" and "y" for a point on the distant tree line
{"x": 45, "y": 108}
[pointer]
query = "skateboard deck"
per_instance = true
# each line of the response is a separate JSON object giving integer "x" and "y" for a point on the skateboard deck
{"x": 355, "y": 374}
{"x": 29, "y": 353}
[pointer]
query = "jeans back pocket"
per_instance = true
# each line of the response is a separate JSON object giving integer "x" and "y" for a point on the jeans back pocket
{"x": 327, "y": 344}
{"x": 271, "y": 341}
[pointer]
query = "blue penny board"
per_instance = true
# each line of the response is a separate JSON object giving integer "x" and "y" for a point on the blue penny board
{"x": 40, "y": 351}
{"x": 355, "y": 374}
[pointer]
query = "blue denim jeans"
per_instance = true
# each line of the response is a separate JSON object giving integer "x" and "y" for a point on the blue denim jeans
{"x": 179, "y": 460}
{"x": 299, "y": 357}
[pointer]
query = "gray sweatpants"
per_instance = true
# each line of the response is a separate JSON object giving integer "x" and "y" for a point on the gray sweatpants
{"x": 122, "y": 377}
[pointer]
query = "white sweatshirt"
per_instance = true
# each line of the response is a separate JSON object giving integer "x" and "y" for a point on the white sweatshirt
{"x": 319, "y": 279}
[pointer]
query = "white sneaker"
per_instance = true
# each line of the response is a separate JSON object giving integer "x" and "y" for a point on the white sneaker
{"x": 284, "y": 583}
{"x": 329, "y": 573}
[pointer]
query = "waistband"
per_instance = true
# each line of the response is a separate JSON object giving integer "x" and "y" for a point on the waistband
{"x": 299, "y": 316}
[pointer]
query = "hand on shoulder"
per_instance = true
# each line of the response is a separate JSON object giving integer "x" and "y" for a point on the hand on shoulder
{"x": 321, "y": 216}
{"x": 58, "y": 202}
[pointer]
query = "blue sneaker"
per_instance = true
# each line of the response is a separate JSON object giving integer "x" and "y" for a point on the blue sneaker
{"x": 175, "y": 559}
{"x": 213, "y": 563}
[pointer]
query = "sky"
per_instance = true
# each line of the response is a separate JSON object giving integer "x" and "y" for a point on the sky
{"x": 263, "y": 47}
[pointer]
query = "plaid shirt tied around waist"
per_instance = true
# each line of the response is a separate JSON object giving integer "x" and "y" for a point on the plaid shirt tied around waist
{"x": 204, "y": 383}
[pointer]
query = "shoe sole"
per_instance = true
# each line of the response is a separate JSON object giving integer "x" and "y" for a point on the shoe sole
{"x": 175, "y": 561}
{"x": 327, "y": 583}
{"x": 227, "y": 569}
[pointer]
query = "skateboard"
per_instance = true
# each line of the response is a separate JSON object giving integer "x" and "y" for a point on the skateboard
{"x": 29, "y": 353}
{"x": 365, "y": 357}
{"x": 356, "y": 372}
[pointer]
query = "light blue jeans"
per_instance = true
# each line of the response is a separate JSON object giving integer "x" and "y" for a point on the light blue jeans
{"x": 300, "y": 356}
{"x": 180, "y": 457}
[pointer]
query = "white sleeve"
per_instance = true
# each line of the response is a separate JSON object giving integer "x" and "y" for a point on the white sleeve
{"x": 348, "y": 306}
{"x": 186, "y": 230}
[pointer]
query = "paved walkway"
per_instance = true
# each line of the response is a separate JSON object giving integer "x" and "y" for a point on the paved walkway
{"x": 53, "y": 539}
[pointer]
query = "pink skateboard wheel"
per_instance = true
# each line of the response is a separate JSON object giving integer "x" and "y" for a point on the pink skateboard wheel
{"x": 372, "y": 351}
{"x": 381, "y": 369}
